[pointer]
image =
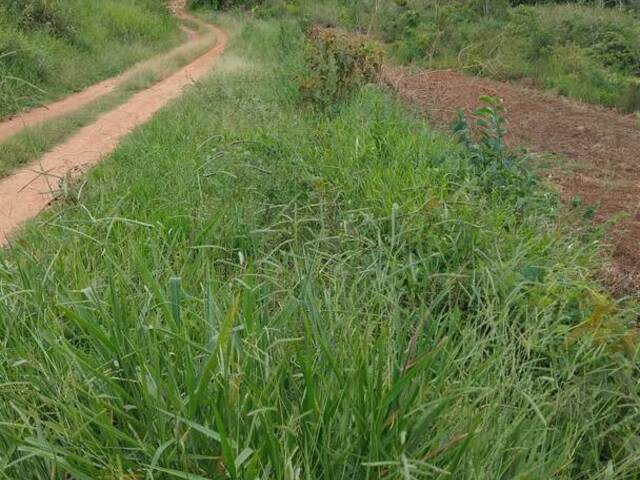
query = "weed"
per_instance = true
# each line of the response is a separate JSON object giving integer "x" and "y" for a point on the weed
{"x": 501, "y": 170}
{"x": 337, "y": 63}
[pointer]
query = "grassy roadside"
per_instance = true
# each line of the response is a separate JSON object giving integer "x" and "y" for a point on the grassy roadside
{"x": 31, "y": 143}
{"x": 248, "y": 288}
{"x": 51, "y": 48}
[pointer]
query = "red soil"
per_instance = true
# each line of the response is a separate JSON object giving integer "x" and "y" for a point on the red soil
{"x": 599, "y": 149}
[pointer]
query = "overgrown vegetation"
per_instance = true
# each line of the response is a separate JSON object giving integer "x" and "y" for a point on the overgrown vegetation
{"x": 585, "y": 50}
{"x": 337, "y": 64}
{"x": 49, "y": 48}
{"x": 251, "y": 289}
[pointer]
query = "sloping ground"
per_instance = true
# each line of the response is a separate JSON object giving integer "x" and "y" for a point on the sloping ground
{"x": 600, "y": 148}
{"x": 29, "y": 190}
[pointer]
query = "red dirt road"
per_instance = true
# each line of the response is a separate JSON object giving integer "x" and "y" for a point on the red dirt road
{"x": 599, "y": 149}
{"x": 27, "y": 191}
{"x": 16, "y": 123}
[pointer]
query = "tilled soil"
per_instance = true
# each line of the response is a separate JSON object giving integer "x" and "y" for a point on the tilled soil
{"x": 598, "y": 149}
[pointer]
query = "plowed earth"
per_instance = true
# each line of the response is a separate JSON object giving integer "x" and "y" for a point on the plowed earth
{"x": 597, "y": 150}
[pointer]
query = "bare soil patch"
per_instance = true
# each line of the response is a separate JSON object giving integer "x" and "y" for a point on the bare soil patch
{"x": 598, "y": 148}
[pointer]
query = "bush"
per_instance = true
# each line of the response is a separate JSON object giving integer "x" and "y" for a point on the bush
{"x": 337, "y": 63}
{"x": 631, "y": 97}
{"x": 225, "y": 4}
{"x": 500, "y": 170}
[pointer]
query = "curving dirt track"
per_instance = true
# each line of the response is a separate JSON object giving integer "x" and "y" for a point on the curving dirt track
{"x": 16, "y": 123}
{"x": 598, "y": 148}
{"x": 28, "y": 190}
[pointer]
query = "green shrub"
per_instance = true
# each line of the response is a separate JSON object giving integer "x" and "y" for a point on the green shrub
{"x": 631, "y": 97}
{"x": 500, "y": 170}
{"x": 337, "y": 63}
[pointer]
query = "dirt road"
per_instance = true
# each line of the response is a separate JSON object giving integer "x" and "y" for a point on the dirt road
{"x": 28, "y": 190}
{"x": 16, "y": 123}
{"x": 598, "y": 148}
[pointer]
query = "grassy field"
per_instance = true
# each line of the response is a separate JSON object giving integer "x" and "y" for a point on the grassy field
{"x": 580, "y": 50}
{"x": 49, "y": 48}
{"x": 254, "y": 288}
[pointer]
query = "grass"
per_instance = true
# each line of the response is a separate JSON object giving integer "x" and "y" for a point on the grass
{"x": 31, "y": 143}
{"x": 51, "y": 48}
{"x": 249, "y": 288}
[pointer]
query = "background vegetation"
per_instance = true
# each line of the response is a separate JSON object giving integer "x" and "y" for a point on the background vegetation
{"x": 589, "y": 50}
{"x": 253, "y": 287}
{"x": 583, "y": 51}
{"x": 49, "y": 48}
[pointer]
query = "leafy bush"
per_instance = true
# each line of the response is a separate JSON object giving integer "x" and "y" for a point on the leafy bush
{"x": 500, "y": 170}
{"x": 337, "y": 63}
{"x": 225, "y": 4}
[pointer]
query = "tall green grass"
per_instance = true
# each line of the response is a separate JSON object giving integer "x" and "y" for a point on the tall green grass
{"x": 49, "y": 48}
{"x": 248, "y": 288}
